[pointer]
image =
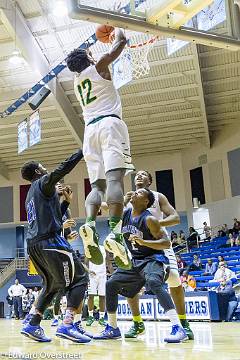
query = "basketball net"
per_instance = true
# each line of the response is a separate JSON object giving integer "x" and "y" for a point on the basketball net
{"x": 137, "y": 55}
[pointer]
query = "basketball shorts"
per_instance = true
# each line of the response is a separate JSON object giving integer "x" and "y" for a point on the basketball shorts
{"x": 106, "y": 147}
{"x": 97, "y": 284}
{"x": 56, "y": 262}
{"x": 174, "y": 278}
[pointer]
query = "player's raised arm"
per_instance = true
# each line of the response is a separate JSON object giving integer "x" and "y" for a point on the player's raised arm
{"x": 49, "y": 181}
{"x": 117, "y": 48}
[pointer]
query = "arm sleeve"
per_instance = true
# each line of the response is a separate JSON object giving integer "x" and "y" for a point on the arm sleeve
{"x": 49, "y": 181}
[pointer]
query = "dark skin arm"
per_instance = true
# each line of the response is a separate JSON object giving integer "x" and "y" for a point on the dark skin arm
{"x": 160, "y": 243}
{"x": 172, "y": 217}
{"x": 107, "y": 59}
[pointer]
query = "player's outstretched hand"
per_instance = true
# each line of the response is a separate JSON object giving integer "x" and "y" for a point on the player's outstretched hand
{"x": 68, "y": 194}
{"x": 127, "y": 197}
{"x": 73, "y": 236}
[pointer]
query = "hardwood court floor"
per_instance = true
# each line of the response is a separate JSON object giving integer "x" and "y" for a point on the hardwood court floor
{"x": 213, "y": 341}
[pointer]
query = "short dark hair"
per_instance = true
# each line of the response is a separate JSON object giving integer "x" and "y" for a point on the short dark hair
{"x": 151, "y": 198}
{"x": 28, "y": 170}
{"x": 77, "y": 60}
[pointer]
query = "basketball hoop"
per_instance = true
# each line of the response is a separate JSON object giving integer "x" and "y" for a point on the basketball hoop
{"x": 137, "y": 53}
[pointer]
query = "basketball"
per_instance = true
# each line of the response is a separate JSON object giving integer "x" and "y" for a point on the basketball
{"x": 103, "y": 32}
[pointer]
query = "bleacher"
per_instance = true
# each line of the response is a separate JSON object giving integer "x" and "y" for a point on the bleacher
{"x": 212, "y": 250}
{"x": 4, "y": 263}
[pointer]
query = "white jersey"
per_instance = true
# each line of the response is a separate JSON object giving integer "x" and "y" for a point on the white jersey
{"x": 99, "y": 269}
{"x": 97, "y": 96}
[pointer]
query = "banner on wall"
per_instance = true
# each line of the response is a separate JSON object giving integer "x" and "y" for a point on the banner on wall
{"x": 34, "y": 128}
{"x": 147, "y": 310}
{"x": 22, "y": 136}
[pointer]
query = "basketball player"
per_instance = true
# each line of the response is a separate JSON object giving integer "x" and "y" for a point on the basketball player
{"x": 51, "y": 254}
{"x": 106, "y": 147}
{"x": 146, "y": 241}
{"x": 160, "y": 207}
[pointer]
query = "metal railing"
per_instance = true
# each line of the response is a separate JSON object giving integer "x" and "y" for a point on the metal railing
{"x": 9, "y": 270}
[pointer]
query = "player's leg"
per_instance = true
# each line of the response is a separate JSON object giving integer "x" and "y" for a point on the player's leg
{"x": 102, "y": 279}
{"x": 177, "y": 292}
{"x": 138, "y": 325}
{"x": 76, "y": 280}
{"x": 178, "y": 297}
{"x": 154, "y": 274}
{"x": 94, "y": 162}
{"x": 56, "y": 308}
{"x": 90, "y": 319}
{"x": 115, "y": 145}
{"x": 127, "y": 283}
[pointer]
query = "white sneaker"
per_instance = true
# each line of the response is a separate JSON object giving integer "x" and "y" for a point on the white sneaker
{"x": 90, "y": 242}
{"x": 177, "y": 335}
{"x": 114, "y": 244}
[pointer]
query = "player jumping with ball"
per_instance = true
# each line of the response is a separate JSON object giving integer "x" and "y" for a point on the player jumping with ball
{"x": 106, "y": 147}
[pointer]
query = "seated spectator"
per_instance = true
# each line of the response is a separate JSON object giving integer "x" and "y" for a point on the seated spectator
{"x": 210, "y": 268}
{"x": 196, "y": 264}
{"x": 206, "y": 231}
{"x": 192, "y": 240}
{"x": 223, "y": 274}
{"x": 236, "y": 227}
{"x": 181, "y": 264}
{"x": 179, "y": 244}
{"x": 221, "y": 259}
{"x": 227, "y": 300}
{"x": 234, "y": 240}
{"x": 188, "y": 281}
{"x": 223, "y": 231}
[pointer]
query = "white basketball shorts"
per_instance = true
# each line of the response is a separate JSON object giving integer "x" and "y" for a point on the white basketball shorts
{"x": 106, "y": 146}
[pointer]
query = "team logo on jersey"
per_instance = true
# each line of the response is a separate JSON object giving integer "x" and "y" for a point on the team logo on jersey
{"x": 31, "y": 212}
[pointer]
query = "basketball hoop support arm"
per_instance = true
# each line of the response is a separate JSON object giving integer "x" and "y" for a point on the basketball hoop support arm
{"x": 137, "y": 23}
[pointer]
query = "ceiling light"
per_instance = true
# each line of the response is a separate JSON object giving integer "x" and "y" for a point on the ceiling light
{"x": 60, "y": 9}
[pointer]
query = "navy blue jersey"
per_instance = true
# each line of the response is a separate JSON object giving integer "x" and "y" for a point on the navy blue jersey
{"x": 138, "y": 226}
{"x": 44, "y": 213}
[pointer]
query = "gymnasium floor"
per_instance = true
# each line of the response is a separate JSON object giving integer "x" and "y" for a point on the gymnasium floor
{"x": 215, "y": 341}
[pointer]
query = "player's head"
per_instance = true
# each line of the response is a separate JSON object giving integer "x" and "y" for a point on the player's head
{"x": 79, "y": 59}
{"x": 16, "y": 282}
{"x": 142, "y": 199}
{"x": 32, "y": 170}
{"x": 143, "y": 179}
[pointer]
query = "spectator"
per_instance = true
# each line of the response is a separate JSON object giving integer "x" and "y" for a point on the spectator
{"x": 210, "y": 268}
{"x": 178, "y": 244}
{"x": 220, "y": 259}
{"x": 236, "y": 227}
{"x": 17, "y": 291}
{"x": 233, "y": 240}
{"x": 181, "y": 235}
{"x": 173, "y": 235}
{"x": 223, "y": 231}
{"x": 10, "y": 306}
{"x": 35, "y": 292}
{"x": 206, "y": 231}
{"x": 196, "y": 264}
{"x": 223, "y": 274}
{"x": 188, "y": 281}
{"x": 192, "y": 240}
{"x": 227, "y": 300}
{"x": 181, "y": 264}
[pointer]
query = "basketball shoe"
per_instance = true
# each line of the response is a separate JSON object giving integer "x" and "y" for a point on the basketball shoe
{"x": 136, "y": 329}
{"x": 71, "y": 333}
{"x": 108, "y": 333}
{"x": 90, "y": 239}
{"x": 185, "y": 324}
{"x": 35, "y": 332}
{"x": 177, "y": 335}
{"x": 114, "y": 243}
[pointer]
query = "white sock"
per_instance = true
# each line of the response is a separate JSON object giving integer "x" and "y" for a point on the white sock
{"x": 90, "y": 313}
{"x": 101, "y": 314}
{"x": 112, "y": 320}
{"x": 78, "y": 317}
{"x": 56, "y": 317}
{"x": 33, "y": 310}
{"x": 173, "y": 316}
{"x": 68, "y": 317}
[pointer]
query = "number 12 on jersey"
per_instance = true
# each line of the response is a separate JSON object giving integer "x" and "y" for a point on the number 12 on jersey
{"x": 86, "y": 98}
